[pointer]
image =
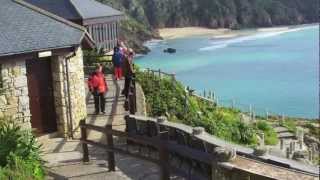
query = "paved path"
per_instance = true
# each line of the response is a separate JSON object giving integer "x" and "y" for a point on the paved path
{"x": 64, "y": 157}
{"x": 114, "y": 108}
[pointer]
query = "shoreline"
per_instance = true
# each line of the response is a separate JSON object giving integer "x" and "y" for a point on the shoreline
{"x": 226, "y": 34}
{"x": 221, "y": 33}
{"x": 174, "y": 33}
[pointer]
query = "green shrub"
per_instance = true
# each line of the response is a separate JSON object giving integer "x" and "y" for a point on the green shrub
{"x": 263, "y": 126}
{"x": 290, "y": 124}
{"x": 271, "y": 138}
{"x": 19, "y": 153}
{"x": 20, "y": 168}
{"x": 270, "y": 135}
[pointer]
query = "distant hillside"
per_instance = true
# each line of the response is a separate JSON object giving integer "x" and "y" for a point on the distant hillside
{"x": 145, "y": 16}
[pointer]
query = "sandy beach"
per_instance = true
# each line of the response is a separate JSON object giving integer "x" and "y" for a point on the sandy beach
{"x": 173, "y": 33}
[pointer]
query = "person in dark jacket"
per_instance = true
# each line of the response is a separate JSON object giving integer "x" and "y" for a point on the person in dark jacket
{"x": 128, "y": 71}
{"x": 117, "y": 63}
{"x": 98, "y": 87}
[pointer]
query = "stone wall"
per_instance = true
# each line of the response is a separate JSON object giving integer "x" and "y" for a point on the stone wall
{"x": 75, "y": 89}
{"x": 14, "y": 101}
{"x": 228, "y": 161}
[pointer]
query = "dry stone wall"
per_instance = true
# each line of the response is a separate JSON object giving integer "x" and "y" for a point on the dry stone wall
{"x": 14, "y": 100}
{"x": 75, "y": 88}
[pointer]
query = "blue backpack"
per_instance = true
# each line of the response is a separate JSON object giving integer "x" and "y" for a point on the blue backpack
{"x": 117, "y": 59}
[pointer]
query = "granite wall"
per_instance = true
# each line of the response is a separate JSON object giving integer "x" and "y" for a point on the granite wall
{"x": 14, "y": 100}
{"x": 65, "y": 86}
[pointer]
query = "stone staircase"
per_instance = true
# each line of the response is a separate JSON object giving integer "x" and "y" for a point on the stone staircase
{"x": 64, "y": 157}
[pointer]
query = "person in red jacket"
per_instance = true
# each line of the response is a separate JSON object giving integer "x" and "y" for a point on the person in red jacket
{"x": 98, "y": 87}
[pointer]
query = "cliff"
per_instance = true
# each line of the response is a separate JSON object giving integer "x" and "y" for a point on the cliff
{"x": 145, "y": 16}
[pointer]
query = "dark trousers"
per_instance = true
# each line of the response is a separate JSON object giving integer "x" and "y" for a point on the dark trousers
{"x": 99, "y": 102}
{"x": 127, "y": 82}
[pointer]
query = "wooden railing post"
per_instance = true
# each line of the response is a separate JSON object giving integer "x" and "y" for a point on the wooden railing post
{"x": 132, "y": 97}
{"x": 84, "y": 138}
{"x": 159, "y": 73}
{"x": 130, "y": 100}
{"x": 134, "y": 94}
{"x": 111, "y": 159}
{"x": 164, "y": 166}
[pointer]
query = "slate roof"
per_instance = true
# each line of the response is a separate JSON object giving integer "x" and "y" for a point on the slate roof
{"x": 62, "y": 8}
{"x": 89, "y": 9}
{"x": 25, "y": 28}
{"x": 76, "y": 9}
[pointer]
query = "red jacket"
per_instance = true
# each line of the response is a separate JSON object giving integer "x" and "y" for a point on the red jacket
{"x": 97, "y": 82}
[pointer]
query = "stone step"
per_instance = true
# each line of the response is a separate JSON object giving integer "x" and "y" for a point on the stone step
{"x": 64, "y": 159}
{"x": 280, "y": 129}
{"x": 96, "y": 169}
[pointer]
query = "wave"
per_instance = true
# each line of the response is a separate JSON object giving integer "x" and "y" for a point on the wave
{"x": 153, "y": 43}
{"x": 260, "y": 35}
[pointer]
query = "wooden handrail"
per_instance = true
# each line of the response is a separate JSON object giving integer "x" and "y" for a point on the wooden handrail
{"x": 136, "y": 138}
{"x": 109, "y": 147}
{"x": 161, "y": 72}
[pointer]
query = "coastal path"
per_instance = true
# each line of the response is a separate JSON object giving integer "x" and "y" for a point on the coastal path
{"x": 64, "y": 157}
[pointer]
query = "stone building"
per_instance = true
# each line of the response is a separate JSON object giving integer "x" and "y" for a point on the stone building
{"x": 41, "y": 68}
{"x": 100, "y": 20}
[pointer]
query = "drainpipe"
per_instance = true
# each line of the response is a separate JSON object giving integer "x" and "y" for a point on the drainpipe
{"x": 66, "y": 101}
{"x": 69, "y": 95}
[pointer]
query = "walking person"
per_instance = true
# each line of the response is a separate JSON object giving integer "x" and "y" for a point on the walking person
{"x": 128, "y": 71}
{"x": 117, "y": 59}
{"x": 122, "y": 47}
{"x": 98, "y": 87}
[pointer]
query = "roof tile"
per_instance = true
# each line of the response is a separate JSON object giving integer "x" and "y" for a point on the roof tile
{"x": 26, "y": 30}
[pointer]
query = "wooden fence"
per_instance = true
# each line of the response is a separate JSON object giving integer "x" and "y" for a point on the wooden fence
{"x": 111, "y": 149}
{"x": 91, "y": 61}
{"x": 161, "y": 74}
{"x": 211, "y": 96}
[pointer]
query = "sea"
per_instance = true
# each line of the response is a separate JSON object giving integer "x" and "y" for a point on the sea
{"x": 271, "y": 72}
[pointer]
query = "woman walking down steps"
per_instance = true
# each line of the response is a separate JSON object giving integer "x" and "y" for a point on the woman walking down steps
{"x": 98, "y": 87}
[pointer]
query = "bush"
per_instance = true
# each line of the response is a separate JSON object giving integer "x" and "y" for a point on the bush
{"x": 290, "y": 124}
{"x": 19, "y": 153}
{"x": 270, "y": 136}
{"x": 92, "y": 57}
{"x": 20, "y": 168}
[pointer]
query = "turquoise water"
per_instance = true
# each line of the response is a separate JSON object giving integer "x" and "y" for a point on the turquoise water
{"x": 276, "y": 72}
